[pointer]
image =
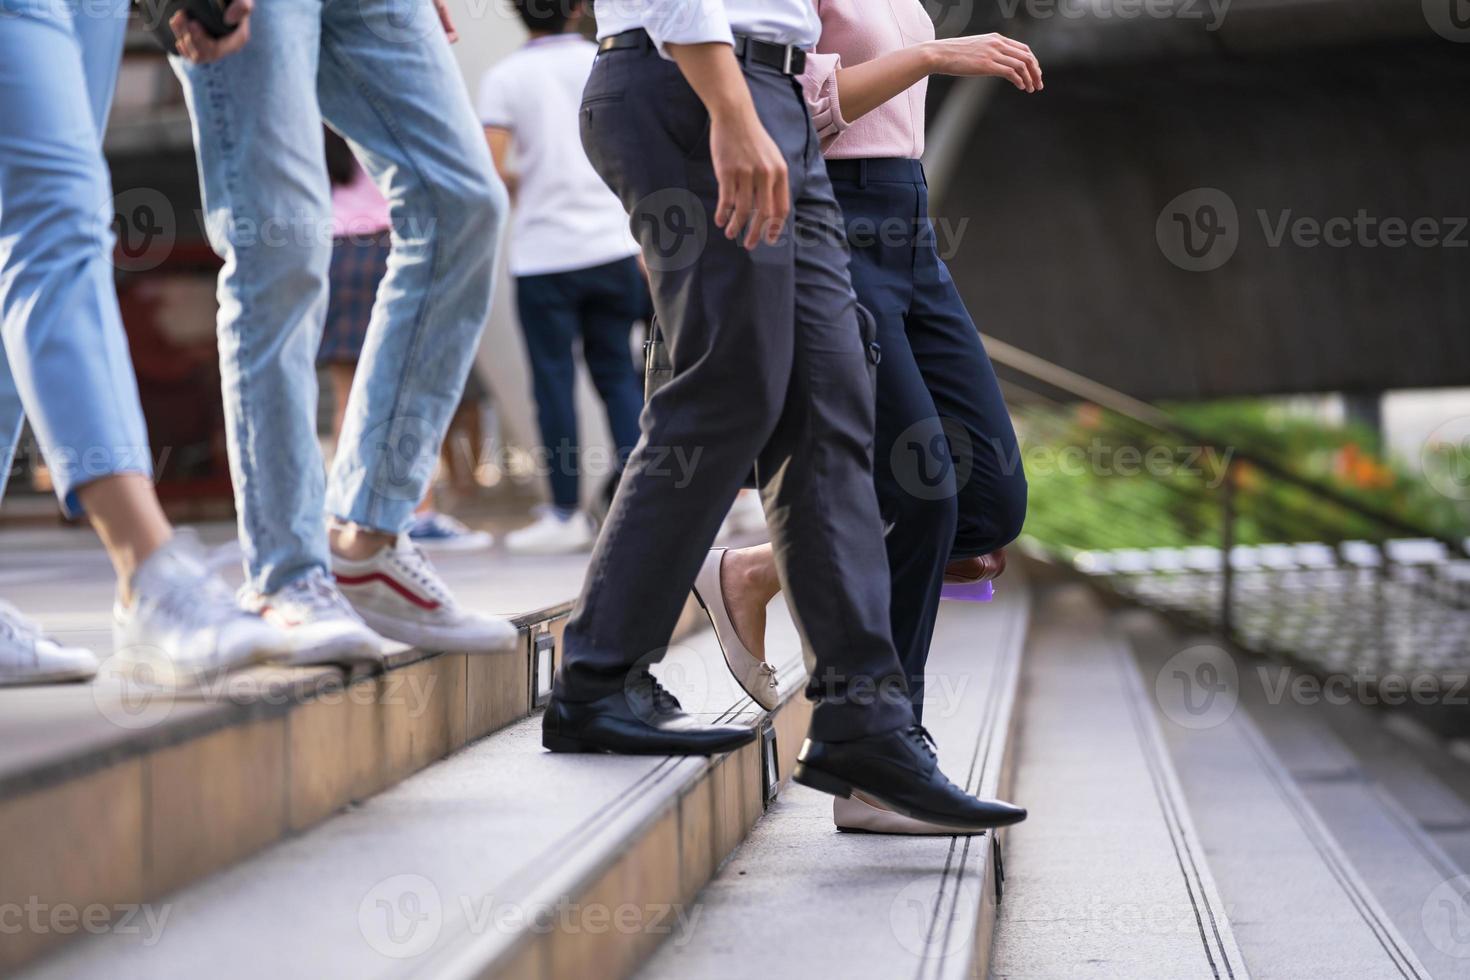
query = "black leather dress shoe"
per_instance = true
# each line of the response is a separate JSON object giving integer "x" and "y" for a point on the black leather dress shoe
{"x": 644, "y": 719}
{"x": 899, "y": 769}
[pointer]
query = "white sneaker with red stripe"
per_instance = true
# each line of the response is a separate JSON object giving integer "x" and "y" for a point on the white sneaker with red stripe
{"x": 398, "y": 593}
{"x": 319, "y": 622}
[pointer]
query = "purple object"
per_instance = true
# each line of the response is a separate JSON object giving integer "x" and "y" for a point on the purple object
{"x": 969, "y": 591}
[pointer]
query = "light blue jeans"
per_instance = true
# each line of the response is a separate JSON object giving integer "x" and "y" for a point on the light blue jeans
{"x": 64, "y": 360}
{"x": 380, "y": 72}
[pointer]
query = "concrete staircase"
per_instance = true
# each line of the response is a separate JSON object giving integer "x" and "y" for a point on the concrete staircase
{"x": 114, "y": 797}
{"x": 801, "y": 899}
{"x": 1304, "y": 833}
{"x": 1248, "y": 835}
{"x": 1187, "y": 820}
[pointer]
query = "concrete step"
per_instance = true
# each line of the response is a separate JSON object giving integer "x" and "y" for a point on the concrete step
{"x": 1386, "y": 810}
{"x": 501, "y": 860}
{"x": 1108, "y": 877}
{"x": 802, "y": 899}
{"x": 111, "y": 797}
{"x": 1322, "y": 875}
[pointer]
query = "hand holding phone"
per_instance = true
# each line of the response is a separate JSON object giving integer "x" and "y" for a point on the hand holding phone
{"x": 199, "y": 30}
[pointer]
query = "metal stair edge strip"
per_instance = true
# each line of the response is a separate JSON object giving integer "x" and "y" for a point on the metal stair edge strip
{"x": 981, "y": 858}
{"x": 1211, "y": 913}
{"x": 1373, "y": 914}
{"x": 607, "y": 845}
{"x": 216, "y": 783}
{"x": 1312, "y": 827}
{"x": 645, "y": 834}
{"x": 857, "y": 904}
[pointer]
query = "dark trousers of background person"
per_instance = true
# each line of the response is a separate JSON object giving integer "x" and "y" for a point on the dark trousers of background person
{"x": 946, "y": 464}
{"x": 597, "y": 306}
{"x": 770, "y": 366}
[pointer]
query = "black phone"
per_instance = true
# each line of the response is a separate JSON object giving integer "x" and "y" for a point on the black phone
{"x": 209, "y": 13}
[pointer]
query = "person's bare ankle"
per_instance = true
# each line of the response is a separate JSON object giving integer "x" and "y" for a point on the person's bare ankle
{"x": 745, "y": 582}
{"x": 355, "y": 543}
{"x": 752, "y": 570}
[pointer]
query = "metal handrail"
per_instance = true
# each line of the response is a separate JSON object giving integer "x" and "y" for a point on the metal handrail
{"x": 1079, "y": 386}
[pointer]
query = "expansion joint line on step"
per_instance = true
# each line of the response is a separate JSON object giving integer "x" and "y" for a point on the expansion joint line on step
{"x": 1207, "y": 920}
{"x": 957, "y": 860}
{"x": 1352, "y": 886}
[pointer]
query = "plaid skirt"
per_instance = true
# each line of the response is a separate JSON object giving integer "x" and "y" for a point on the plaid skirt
{"x": 358, "y": 265}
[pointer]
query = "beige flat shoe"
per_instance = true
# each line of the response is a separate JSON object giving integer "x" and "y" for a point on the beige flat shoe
{"x": 858, "y": 816}
{"x": 756, "y": 677}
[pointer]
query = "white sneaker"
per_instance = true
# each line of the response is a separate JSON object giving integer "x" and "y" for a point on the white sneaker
{"x": 434, "y": 531}
{"x": 184, "y": 622}
{"x": 553, "y": 534}
{"x": 398, "y": 594}
{"x": 320, "y": 624}
{"x": 28, "y": 656}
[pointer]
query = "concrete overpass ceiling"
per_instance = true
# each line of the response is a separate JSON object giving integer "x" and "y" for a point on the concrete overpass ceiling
{"x": 1315, "y": 153}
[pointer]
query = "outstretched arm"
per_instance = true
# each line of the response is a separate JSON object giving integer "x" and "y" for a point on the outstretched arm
{"x": 863, "y": 88}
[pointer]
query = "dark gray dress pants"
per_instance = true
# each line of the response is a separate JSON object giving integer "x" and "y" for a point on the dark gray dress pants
{"x": 771, "y": 367}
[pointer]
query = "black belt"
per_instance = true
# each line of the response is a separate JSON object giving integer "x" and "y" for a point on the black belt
{"x": 880, "y": 169}
{"x": 788, "y": 59}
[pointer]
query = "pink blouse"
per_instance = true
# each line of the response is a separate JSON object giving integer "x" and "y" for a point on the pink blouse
{"x": 855, "y": 31}
{"x": 358, "y": 208}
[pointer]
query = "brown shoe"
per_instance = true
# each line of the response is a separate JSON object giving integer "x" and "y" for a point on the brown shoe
{"x": 968, "y": 571}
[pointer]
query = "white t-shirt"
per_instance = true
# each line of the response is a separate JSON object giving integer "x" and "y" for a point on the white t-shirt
{"x": 695, "y": 21}
{"x": 565, "y": 217}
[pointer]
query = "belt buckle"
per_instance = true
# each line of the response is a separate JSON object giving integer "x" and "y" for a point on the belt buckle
{"x": 786, "y": 59}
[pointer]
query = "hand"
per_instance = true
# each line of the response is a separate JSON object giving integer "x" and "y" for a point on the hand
{"x": 987, "y": 54}
{"x": 446, "y": 20}
{"x": 754, "y": 195}
{"x": 196, "y": 45}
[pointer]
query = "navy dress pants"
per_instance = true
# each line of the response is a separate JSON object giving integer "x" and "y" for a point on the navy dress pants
{"x": 946, "y": 463}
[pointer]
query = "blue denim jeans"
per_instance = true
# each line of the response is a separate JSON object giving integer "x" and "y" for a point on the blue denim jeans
{"x": 381, "y": 73}
{"x": 64, "y": 358}
{"x": 597, "y": 306}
